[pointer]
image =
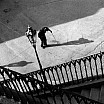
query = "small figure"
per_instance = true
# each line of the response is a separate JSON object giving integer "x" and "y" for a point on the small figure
{"x": 42, "y": 36}
{"x": 31, "y": 34}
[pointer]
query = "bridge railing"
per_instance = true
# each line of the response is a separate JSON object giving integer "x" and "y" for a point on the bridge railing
{"x": 32, "y": 91}
{"x": 19, "y": 87}
{"x": 75, "y": 71}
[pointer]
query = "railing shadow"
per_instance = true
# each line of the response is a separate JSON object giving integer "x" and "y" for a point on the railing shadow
{"x": 75, "y": 42}
{"x": 18, "y": 64}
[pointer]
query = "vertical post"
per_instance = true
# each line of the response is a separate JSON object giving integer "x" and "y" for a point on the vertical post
{"x": 33, "y": 43}
{"x": 34, "y": 46}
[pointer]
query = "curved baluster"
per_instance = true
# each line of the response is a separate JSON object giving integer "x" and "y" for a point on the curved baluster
{"x": 79, "y": 62}
{"x": 100, "y": 55}
{"x": 74, "y": 64}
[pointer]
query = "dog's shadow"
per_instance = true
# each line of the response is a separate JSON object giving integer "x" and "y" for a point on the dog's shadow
{"x": 75, "y": 42}
{"x": 18, "y": 64}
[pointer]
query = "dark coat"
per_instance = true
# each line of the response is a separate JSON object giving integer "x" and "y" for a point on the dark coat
{"x": 42, "y": 32}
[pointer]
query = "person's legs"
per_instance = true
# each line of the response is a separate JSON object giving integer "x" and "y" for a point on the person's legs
{"x": 42, "y": 43}
{"x": 45, "y": 41}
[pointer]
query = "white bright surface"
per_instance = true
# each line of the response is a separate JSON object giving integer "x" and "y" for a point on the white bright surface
{"x": 19, "y": 49}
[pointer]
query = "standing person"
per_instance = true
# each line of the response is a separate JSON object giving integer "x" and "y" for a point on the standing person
{"x": 31, "y": 34}
{"x": 42, "y": 36}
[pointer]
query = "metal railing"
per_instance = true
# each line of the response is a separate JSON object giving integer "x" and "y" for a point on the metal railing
{"x": 19, "y": 87}
{"x": 29, "y": 90}
{"x": 75, "y": 71}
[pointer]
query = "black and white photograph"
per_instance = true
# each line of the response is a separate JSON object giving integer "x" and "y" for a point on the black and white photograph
{"x": 51, "y": 51}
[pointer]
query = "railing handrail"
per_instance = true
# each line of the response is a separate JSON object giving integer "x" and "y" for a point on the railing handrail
{"x": 61, "y": 92}
{"x": 54, "y": 74}
{"x": 26, "y": 83}
{"x": 37, "y": 71}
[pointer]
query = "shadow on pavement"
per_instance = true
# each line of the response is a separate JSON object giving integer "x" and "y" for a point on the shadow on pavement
{"x": 18, "y": 64}
{"x": 75, "y": 42}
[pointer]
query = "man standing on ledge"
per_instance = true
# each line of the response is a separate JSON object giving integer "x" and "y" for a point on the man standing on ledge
{"x": 42, "y": 36}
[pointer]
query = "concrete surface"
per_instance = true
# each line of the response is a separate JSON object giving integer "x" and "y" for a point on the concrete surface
{"x": 70, "y": 20}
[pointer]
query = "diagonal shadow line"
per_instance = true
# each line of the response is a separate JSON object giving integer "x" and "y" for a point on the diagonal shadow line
{"x": 75, "y": 42}
{"x": 18, "y": 64}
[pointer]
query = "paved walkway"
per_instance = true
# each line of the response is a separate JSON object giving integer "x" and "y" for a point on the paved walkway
{"x": 75, "y": 39}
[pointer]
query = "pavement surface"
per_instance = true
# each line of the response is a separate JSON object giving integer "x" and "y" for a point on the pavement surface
{"x": 77, "y": 25}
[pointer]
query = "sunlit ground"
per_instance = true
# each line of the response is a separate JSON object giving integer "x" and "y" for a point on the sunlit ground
{"x": 19, "y": 55}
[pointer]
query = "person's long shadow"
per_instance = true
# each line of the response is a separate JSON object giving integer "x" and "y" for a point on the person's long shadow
{"x": 18, "y": 64}
{"x": 75, "y": 42}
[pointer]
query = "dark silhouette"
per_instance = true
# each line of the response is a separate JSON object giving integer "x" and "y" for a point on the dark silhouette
{"x": 18, "y": 64}
{"x": 75, "y": 42}
{"x": 42, "y": 36}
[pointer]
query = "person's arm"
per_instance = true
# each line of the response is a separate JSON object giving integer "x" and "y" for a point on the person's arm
{"x": 46, "y": 29}
{"x": 49, "y": 30}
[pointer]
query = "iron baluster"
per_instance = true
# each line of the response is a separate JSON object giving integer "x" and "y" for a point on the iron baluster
{"x": 5, "y": 81}
{"x": 11, "y": 90}
{"x": 17, "y": 94}
{"x": 69, "y": 64}
{"x": 95, "y": 57}
{"x": 25, "y": 86}
{"x": 74, "y": 64}
{"x": 17, "y": 86}
{"x": 13, "y": 85}
{"x": 26, "y": 79}
{"x": 101, "y": 63}
{"x": 64, "y": 65}
{"x": 57, "y": 75}
{"x": 37, "y": 76}
{"x": 22, "y": 89}
{"x": 53, "y": 76}
{"x": 84, "y": 60}
{"x": 49, "y": 76}
{"x": 42, "y": 79}
{"x": 60, "y": 67}
{"x": 79, "y": 62}
{"x": 89, "y": 58}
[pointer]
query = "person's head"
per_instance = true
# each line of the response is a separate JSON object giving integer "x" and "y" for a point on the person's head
{"x": 30, "y": 28}
{"x": 45, "y": 28}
